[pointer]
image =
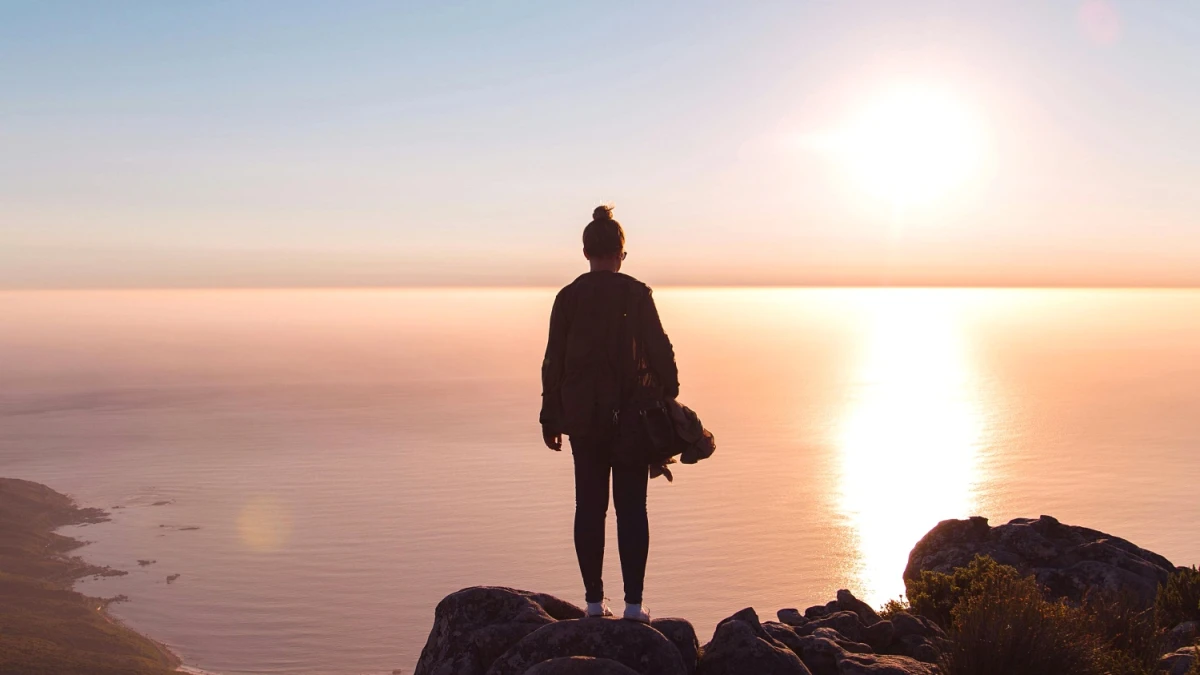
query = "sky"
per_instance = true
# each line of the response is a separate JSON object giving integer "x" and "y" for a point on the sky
{"x": 248, "y": 144}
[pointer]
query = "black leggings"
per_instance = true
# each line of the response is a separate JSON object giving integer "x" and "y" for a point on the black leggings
{"x": 592, "y": 468}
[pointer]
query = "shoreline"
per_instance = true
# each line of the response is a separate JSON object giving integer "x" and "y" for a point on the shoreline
{"x": 48, "y": 626}
{"x": 165, "y": 651}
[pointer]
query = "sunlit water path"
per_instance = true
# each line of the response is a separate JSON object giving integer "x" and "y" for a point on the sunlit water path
{"x": 321, "y": 467}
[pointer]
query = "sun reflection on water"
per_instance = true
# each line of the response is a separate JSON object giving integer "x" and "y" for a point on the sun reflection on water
{"x": 909, "y": 440}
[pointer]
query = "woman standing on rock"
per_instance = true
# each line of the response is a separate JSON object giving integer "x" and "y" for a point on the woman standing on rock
{"x": 606, "y": 349}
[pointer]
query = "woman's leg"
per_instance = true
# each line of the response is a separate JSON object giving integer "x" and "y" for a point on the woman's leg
{"x": 633, "y": 528}
{"x": 591, "y": 507}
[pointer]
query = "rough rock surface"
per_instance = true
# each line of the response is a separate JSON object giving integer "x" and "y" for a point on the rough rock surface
{"x": 681, "y": 633}
{"x": 502, "y": 631}
{"x": 633, "y": 644}
{"x": 1068, "y": 560}
{"x": 845, "y": 602}
{"x": 1185, "y": 634}
{"x": 1178, "y": 662}
{"x": 917, "y": 637}
{"x": 474, "y": 626}
{"x": 825, "y": 651}
{"x": 742, "y": 645}
{"x": 791, "y": 617}
{"x": 848, "y": 624}
{"x": 820, "y": 654}
{"x": 580, "y": 665}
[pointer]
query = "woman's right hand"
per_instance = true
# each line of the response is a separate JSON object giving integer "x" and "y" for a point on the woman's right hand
{"x": 552, "y": 439}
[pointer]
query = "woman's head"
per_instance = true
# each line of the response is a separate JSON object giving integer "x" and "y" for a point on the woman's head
{"x": 603, "y": 239}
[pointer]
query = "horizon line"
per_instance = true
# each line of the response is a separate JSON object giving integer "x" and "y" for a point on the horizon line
{"x": 465, "y": 286}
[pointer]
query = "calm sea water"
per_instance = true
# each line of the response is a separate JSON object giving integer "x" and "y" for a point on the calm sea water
{"x": 321, "y": 467}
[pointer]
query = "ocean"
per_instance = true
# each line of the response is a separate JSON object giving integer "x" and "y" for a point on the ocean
{"x": 297, "y": 477}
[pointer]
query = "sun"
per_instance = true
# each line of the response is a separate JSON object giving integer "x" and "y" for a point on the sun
{"x": 911, "y": 146}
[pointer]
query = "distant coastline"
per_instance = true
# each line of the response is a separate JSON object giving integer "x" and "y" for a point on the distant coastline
{"x": 46, "y": 626}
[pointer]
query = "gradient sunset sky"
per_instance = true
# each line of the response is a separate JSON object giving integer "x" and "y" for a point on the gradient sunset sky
{"x": 163, "y": 144}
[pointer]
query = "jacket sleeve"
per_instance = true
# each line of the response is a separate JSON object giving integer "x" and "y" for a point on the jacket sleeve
{"x": 658, "y": 348}
{"x": 553, "y": 364}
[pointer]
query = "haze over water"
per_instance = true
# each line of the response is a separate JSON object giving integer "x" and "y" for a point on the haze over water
{"x": 352, "y": 456}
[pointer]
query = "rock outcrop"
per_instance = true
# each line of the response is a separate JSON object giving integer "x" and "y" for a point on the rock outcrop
{"x": 683, "y": 636}
{"x": 838, "y": 640}
{"x": 742, "y": 645}
{"x": 502, "y": 631}
{"x": 853, "y": 626}
{"x": 637, "y": 646}
{"x": 473, "y": 627}
{"x": 1068, "y": 560}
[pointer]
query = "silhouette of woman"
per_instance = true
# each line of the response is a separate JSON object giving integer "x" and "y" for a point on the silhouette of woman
{"x": 606, "y": 349}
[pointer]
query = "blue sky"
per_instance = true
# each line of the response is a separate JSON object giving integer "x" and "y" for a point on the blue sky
{"x": 371, "y": 143}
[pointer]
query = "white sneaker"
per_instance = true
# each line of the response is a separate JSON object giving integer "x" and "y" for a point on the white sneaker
{"x": 597, "y": 609}
{"x": 637, "y": 613}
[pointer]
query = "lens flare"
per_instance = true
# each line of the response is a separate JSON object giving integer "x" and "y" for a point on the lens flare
{"x": 264, "y": 524}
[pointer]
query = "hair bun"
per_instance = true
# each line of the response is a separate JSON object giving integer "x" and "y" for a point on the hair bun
{"x": 602, "y": 212}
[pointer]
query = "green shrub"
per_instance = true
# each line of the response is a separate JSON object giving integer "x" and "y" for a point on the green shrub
{"x": 1130, "y": 634}
{"x": 893, "y": 607}
{"x": 1002, "y": 624}
{"x": 935, "y": 595}
{"x": 1179, "y": 599}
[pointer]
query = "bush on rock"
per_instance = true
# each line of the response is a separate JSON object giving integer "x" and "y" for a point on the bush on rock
{"x": 1178, "y": 600}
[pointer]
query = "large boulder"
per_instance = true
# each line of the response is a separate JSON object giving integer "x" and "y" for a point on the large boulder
{"x": 636, "y": 645}
{"x": 681, "y": 633}
{"x": 916, "y": 637}
{"x": 1070, "y": 561}
{"x": 580, "y": 665}
{"x": 473, "y": 627}
{"x": 741, "y": 645}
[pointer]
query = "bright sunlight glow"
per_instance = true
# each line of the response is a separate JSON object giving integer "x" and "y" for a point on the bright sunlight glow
{"x": 911, "y": 146}
{"x": 914, "y": 421}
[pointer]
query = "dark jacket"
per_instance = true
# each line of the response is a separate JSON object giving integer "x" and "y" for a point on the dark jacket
{"x": 606, "y": 347}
